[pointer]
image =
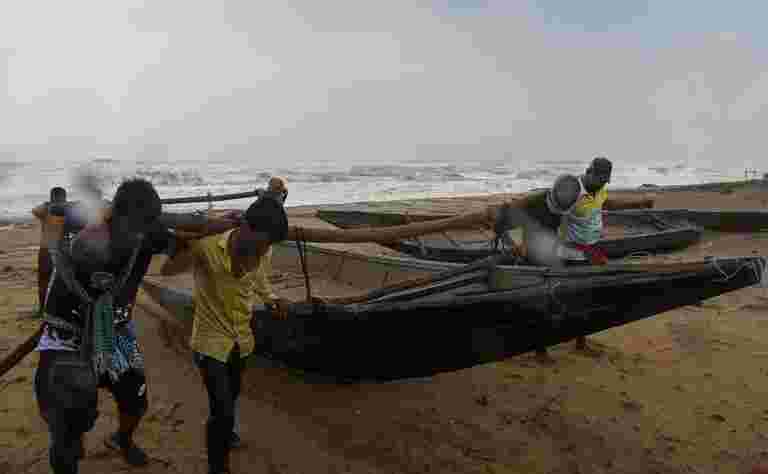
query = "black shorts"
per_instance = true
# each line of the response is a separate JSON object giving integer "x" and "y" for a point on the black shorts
{"x": 130, "y": 390}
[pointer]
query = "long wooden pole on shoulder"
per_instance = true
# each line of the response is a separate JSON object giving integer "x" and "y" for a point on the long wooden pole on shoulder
{"x": 215, "y": 225}
{"x": 486, "y": 217}
{"x": 22, "y": 350}
{"x": 52, "y": 231}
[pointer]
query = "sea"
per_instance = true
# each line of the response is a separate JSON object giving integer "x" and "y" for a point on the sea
{"x": 25, "y": 184}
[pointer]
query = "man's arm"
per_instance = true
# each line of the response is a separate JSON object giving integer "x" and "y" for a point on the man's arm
{"x": 182, "y": 260}
{"x": 41, "y": 211}
{"x": 261, "y": 285}
{"x": 200, "y": 224}
{"x": 528, "y": 210}
{"x": 263, "y": 289}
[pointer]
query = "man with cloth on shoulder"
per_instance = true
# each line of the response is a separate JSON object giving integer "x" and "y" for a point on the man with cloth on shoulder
{"x": 89, "y": 338}
{"x": 563, "y": 224}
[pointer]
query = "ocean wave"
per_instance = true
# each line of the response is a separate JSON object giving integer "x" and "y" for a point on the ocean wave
{"x": 667, "y": 170}
{"x": 570, "y": 163}
{"x": 103, "y": 161}
{"x": 321, "y": 182}
{"x": 408, "y": 173}
{"x": 534, "y": 174}
{"x": 171, "y": 177}
{"x": 500, "y": 171}
{"x": 315, "y": 177}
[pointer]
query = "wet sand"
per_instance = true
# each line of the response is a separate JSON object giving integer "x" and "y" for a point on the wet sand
{"x": 681, "y": 392}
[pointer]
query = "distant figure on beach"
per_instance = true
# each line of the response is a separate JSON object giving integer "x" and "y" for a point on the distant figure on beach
{"x": 58, "y": 199}
{"x": 89, "y": 339}
{"x": 562, "y": 225}
{"x": 278, "y": 184}
{"x": 231, "y": 272}
{"x": 75, "y": 218}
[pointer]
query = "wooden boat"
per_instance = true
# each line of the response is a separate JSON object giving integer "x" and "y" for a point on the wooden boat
{"x": 721, "y": 220}
{"x": 715, "y": 187}
{"x": 627, "y": 233}
{"x": 395, "y": 213}
{"x": 464, "y": 315}
{"x": 354, "y": 218}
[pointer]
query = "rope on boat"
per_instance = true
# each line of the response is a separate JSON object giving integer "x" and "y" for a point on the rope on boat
{"x": 558, "y": 310}
{"x": 301, "y": 245}
{"x": 640, "y": 254}
{"x": 759, "y": 267}
{"x": 422, "y": 248}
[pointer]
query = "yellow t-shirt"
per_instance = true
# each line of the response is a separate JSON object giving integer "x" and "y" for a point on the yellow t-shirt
{"x": 584, "y": 223}
{"x": 222, "y": 301}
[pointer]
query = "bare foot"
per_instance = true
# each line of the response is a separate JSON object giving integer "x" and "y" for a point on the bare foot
{"x": 543, "y": 357}
{"x": 586, "y": 349}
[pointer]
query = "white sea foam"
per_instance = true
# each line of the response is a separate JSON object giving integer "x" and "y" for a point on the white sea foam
{"x": 24, "y": 185}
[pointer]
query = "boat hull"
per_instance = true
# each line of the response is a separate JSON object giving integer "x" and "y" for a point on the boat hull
{"x": 475, "y": 315}
{"x": 643, "y": 233}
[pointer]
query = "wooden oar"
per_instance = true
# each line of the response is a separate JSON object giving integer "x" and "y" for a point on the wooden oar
{"x": 21, "y": 351}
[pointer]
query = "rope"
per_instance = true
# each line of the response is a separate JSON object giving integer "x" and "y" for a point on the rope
{"x": 301, "y": 245}
{"x": 640, "y": 254}
{"x": 558, "y": 310}
{"x": 422, "y": 248}
{"x": 759, "y": 267}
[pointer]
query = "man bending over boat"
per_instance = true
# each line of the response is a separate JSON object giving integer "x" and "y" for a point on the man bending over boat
{"x": 562, "y": 225}
{"x": 89, "y": 338}
{"x": 231, "y": 273}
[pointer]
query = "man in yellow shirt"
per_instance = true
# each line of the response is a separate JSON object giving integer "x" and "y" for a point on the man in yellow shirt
{"x": 231, "y": 273}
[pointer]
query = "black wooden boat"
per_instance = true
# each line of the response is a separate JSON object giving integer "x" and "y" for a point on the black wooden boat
{"x": 629, "y": 232}
{"x": 466, "y": 315}
{"x": 720, "y": 220}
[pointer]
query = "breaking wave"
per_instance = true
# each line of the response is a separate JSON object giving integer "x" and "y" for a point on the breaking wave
{"x": 26, "y": 184}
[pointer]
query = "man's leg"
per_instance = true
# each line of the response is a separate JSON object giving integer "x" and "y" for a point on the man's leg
{"x": 130, "y": 392}
{"x": 236, "y": 366}
{"x": 44, "y": 270}
{"x": 543, "y": 356}
{"x": 596, "y": 257}
{"x": 221, "y": 419}
{"x": 65, "y": 442}
{"x": 69, "y": 411}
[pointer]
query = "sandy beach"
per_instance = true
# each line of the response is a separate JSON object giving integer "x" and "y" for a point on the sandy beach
{"x": 683, "y": 392}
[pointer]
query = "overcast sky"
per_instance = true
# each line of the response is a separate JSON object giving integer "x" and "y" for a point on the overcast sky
{"x": 352, "y": 79}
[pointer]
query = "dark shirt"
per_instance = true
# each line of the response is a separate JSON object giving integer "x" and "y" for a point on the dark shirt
{"x": 74, "y": 218}
{"x": 62, "y": 303}
{"x": 535, "y": 208}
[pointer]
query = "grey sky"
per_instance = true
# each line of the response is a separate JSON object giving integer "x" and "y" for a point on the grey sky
{"x": 350, "y": 80}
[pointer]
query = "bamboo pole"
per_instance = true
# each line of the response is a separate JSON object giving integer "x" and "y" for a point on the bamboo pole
{"x": 21, "y": 351}
{"x": 208, "y": 198}
{"x": 377, "y": 235}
